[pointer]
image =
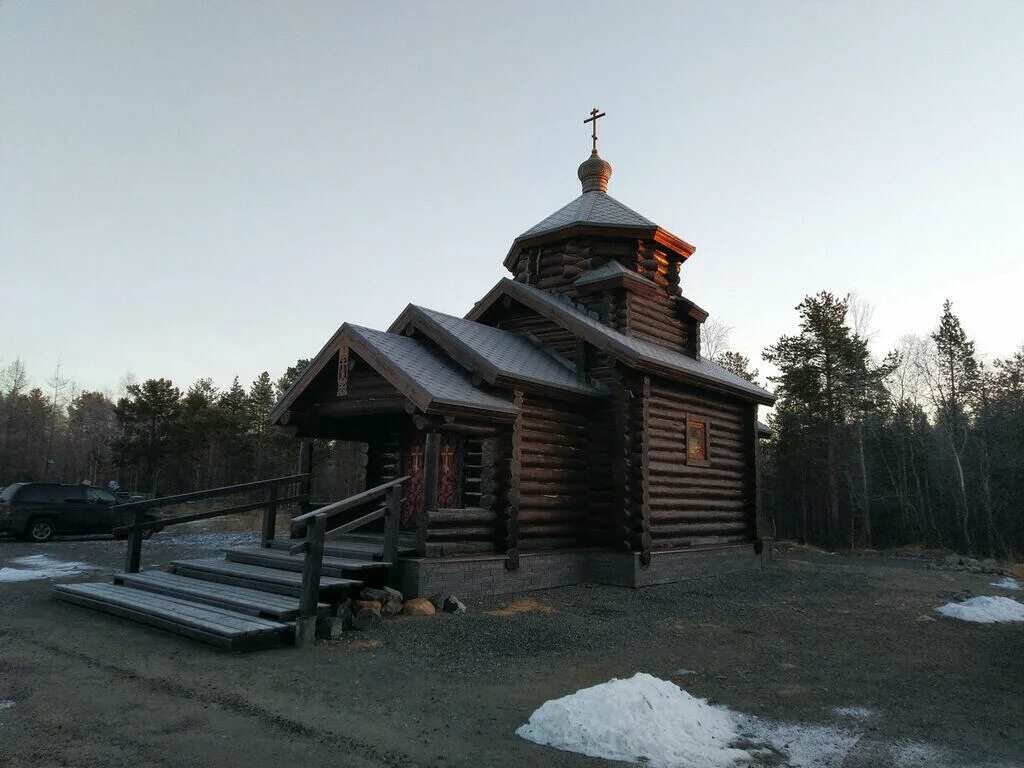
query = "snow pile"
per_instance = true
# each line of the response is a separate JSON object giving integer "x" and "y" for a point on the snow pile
{"x": 1007, "y": 583}
{"x": 639, "y": 719}
{"x": 41, "y": 567}
{"x": 6, "y": 704}
{"x": 654, "y": 722}
{"x": 984, "y": 610}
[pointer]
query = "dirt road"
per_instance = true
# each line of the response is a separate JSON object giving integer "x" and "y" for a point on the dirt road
{"x": 812, "y": 634}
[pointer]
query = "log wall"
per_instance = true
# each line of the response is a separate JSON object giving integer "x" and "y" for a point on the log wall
{"x": 550, "y": 474}
{"x": 688, "y": 504}
{"x": 519, "y": 319}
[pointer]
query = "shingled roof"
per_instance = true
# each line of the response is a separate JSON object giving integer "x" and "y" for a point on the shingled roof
{"x": 500, "y": 357}
{"x": 417, "y": 369}
{"x": 638, "y": 353}
{"x": 594, "y": 208}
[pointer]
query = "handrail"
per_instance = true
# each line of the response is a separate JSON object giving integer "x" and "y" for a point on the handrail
{"x": 341, "y": 530}
{"x": 164, "y": 522}
{"x": 317, "y": 533}
{"x": 227, "y": 490}
{"x": 269, "y": 505}
{"x": 351, "y": 502}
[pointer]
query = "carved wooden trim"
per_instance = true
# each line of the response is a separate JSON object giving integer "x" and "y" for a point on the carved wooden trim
{"x": 343, "y": 367}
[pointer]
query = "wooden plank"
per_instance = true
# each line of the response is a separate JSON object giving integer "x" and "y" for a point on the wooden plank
{"x": 258, "y": 577}
{"x": 226, "y": 629}
{"x": 249, "y": 601}
{"x": 332, "y": 566}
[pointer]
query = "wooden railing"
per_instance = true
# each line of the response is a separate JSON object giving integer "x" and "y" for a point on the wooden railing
{"x": 318, "y": 532}
{"x": 138, "y": 527}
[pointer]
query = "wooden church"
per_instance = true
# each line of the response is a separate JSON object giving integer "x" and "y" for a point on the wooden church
{"x": 567, "y": 429}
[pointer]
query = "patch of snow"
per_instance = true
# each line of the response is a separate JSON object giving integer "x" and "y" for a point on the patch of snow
{"x": 683, "y": 672}
{"x": 857, "y": 713}
{"x": 984, "y": 610}
{"x": 639, "y": 719}
{"x": 804, "y": 746}
{"x": 914, "y": 754}
{"x": 6, "y": 704}
{"x": 35, "y": 567}
{"x": 1007, "y": 583}
{"x": 645, "y": 719}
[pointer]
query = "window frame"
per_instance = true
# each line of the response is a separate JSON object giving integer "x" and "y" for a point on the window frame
{"x": 706, "y": 461}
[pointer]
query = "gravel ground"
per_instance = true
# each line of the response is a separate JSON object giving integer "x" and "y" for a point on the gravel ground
{"x": 813, "y": 633}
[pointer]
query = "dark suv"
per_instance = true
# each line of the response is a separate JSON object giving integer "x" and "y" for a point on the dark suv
{"x": 40, "y": 511}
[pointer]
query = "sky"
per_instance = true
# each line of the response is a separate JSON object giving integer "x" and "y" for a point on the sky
{"x": 205, "y": 188}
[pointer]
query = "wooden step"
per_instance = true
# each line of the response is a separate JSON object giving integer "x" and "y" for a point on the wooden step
{"x": 354, "y": 550}
{"x": 277, "y": 580}
{"x": 272, "y": 558}
{"x": 252, "y": 602}
{"x": 209, "y": 624}
{"x": 352, "y": 546}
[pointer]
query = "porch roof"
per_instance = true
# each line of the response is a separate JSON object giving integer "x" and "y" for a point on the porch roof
{"x": 420, "y": 372}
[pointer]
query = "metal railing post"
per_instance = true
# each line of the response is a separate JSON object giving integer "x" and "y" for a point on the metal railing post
{"x": 134, "y": 558}
{"x": 305, "y": 625}
{"x": 270, "y": 517}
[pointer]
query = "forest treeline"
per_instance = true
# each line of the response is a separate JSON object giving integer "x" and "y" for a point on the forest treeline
{"x": 921, "y": 445}
{"x": 153, "y": 438}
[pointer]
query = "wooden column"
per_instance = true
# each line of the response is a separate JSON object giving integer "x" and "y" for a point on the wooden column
{"x": 645, "y": 476}
{"x": 431, "y": 468}
{"x": 514, "y": 491}
{"x": 306, "y": 468}
{"x": 270, "y": 517}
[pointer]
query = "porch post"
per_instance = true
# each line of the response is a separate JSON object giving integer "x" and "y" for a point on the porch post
{"x": 306, "y": 468}
{"x": 431, "y": 457}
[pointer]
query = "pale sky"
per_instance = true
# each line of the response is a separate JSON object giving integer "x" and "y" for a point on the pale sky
{"x": 211, "y": 188}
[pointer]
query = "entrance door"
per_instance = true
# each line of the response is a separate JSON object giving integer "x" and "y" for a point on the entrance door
{"x": 449, "y": 480}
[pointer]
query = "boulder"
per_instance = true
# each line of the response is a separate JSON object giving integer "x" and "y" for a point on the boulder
{"x": 365, "y": 619}
{"x": 988, "y": 565}
{"x": 952, "y": 561}
{"x": 452, "y": 604}
{"x": 971, "y": 564}
{"x": 373, "y": 606}
{"x": 389, "y": 599}
{"x": 418, "y": 606}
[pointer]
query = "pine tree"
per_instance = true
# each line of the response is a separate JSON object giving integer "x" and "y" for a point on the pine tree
{"x": 954, "y": 378}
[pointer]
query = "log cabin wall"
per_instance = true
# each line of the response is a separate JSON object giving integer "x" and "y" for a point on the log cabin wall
{"x": 690, "y": 504}
{"x": 550, "y": 474}
{"x": 519, "y": 319}
{"x": 480, "y": 524}
{"x": 656, "y": 318}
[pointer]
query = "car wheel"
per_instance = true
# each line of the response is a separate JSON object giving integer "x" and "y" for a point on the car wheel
{"x": 40, "y": 529}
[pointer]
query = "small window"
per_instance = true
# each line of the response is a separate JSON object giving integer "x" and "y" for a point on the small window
{"x": 696, "y": 440}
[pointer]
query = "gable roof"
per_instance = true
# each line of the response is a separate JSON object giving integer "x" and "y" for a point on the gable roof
{"x": 637, "y": 353}
{"x": 500, "y": 357}
{"x": 416, "y": 369}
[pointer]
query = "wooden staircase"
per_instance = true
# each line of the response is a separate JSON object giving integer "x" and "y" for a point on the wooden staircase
{"x": 254, "y": 598}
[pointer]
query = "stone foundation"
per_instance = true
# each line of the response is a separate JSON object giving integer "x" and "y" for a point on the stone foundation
{"x": 480, "y": 575}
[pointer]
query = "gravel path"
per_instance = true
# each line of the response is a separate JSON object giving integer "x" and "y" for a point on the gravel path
{"x": 812, "y": 634}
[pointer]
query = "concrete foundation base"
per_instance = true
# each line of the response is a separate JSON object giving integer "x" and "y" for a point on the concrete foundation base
{"x": 480, "y": 575}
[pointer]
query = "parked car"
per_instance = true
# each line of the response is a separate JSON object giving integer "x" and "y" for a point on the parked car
{"x": 40, "y": 511}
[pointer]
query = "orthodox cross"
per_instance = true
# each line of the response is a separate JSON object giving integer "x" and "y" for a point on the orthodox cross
{"x": 417, "y": 454}
{"x": 447, "y": 455}
{"x": 594, "y": 115}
